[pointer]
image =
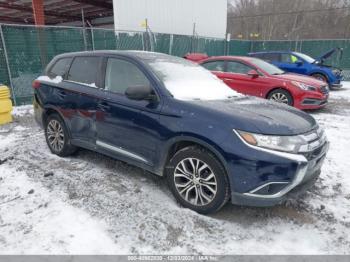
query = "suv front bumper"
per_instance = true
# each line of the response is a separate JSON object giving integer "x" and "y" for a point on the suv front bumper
{"x": 272, "y": 192}
{"x": 306, "y": 176}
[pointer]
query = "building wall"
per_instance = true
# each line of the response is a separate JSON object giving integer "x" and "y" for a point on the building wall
{"x": 172, "y": 16}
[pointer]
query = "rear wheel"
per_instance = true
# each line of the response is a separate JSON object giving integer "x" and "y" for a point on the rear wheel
{"x": 198, "y": 180}
{"x": 57, "y": 136}
{"x": 281, "y": 96}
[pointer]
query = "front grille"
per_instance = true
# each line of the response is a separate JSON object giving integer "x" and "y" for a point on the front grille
{"x": 324, "y": 90}
{"x": 316, "y": 141}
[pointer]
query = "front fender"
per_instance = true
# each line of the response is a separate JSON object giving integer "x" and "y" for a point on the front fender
{"x": 195, "y": 139}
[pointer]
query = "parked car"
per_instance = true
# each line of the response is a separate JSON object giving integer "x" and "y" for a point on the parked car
{"x": 252, "y": 76}
{"x": 173, "y": 118}
{"x": 303, "y": 64}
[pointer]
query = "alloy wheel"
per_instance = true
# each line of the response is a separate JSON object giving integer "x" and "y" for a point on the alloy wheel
{"x": 55, "y": 135}
{"x": 195, "y": 181}
{"x": 280, "y": 98}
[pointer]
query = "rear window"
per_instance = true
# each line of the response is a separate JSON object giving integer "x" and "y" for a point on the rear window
{"x": 273, "y": 57}
{"x": 218, "y": 66}
{"x": 84, "y": 70}
{"x": 60, "y": 68}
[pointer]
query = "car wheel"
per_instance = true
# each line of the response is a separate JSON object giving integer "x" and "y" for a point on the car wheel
{"x": 320, "y": 77}
{"x": 57, "y": 136}
{"x": 198, "y": 180}
{"x": 281, "y": 96}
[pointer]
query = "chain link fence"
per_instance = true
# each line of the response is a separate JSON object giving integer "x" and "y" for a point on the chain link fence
{"x": 26, "y": 50}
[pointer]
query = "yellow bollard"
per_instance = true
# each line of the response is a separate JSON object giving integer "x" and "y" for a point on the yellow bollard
{"x": 5, "y": 105}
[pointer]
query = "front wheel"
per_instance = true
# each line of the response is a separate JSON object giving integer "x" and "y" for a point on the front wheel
{"x": 320, "y": 77}
{"x": 281, "y": 96}
{"x": 198, "y": 180}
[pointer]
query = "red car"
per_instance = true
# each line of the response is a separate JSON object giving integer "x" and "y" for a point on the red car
{"x": 252, "y": 76}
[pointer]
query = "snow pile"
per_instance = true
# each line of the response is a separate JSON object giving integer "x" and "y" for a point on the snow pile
{"x": 188, "y": 81}
{"x": 56, "y": 80}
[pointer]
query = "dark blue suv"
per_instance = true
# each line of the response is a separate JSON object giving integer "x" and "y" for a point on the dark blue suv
{"x": 174, "y": 118}
{"x": 303, "y": 64}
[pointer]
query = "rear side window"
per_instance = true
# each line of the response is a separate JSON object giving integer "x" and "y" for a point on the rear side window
{"x": 84, "y": 70}
{"x": 121, "y": 74}
{"x": 273, "y": 57}
{"x": 215, "y": 66}
{"x": 60, "y": 68}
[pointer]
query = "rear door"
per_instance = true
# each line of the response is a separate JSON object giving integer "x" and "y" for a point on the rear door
{"x": 217, "y": 67}
{"x": 127, "y": 128}
{"x": 273, "y": 58}
{"x": 84, "y": 79}
{"x": 61, "y": 95}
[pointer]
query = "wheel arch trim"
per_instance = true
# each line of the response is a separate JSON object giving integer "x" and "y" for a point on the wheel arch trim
{"x": 213, "y": 148}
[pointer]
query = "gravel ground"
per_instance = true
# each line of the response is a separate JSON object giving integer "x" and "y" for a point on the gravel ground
{"x": 92, "y": 204}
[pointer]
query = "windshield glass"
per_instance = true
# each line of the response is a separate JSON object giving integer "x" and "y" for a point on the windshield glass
{"x": 186, "y": 80}
{"x": 267, "y": 67}
{"x": 307, "y": 58}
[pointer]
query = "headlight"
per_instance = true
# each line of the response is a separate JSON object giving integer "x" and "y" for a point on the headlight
{"x": 336, "y": 72}
{"x": 289, "y": 144}
{"x": 304, "y": 86}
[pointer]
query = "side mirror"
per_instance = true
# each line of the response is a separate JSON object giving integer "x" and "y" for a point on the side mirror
{"x": 253, "y": 74}
{"x": 140, "y": 93}
{"x": 299, "y": 63}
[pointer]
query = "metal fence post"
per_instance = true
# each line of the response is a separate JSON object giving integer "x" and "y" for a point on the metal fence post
{"x": 171, "y": 44}
{"x": 8, "y": 65}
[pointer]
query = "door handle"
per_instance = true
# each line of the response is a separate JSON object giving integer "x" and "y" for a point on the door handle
{"x": 104, "y": 106}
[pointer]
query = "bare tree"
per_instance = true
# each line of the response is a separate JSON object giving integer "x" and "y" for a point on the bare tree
{"x": 289, "y": 19}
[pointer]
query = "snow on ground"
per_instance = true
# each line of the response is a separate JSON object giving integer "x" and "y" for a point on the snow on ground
{"x": 94, "y": 204}
{"x": 342, "y": 93}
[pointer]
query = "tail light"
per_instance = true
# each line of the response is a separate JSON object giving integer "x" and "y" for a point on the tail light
{"x": 36, "y": 84}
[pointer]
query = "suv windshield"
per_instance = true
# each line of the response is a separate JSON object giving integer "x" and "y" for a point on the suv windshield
{"x": 186, "y": 80}
{"x": 307, "y": 58}
{"x": 267, "y": 67}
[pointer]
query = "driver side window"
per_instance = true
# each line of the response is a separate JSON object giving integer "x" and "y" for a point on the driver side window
{"x": 121, "y": 74}
{"x": 288, "y": 58}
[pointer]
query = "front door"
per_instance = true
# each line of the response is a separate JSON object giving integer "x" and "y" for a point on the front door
{"x": 237, "y": 77}
{"x": 127, "y": 128}
{"x": 291, "y": 63}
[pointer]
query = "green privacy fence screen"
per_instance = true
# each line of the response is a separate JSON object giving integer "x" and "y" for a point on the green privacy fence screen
{"x": 30, "y": 48}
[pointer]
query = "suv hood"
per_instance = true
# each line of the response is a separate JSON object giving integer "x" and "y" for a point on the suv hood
{"x": 260, "y": 116}
{"x": 300, "y": 78}
{"x": 330, "y": 53}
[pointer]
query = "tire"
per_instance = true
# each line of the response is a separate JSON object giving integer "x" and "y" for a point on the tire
{"x": 200, "y": 190}
{"x": 320, "y": 77}
{"x": 281, "y": 96}
{"x": 57, "y": 136}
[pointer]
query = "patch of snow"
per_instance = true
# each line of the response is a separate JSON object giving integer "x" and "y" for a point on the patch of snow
{"x": 40, "y": 223}
{"x": 21, "y": 111}
{"x": 186, "y": 80}
{"x": 92, "y": 85}
{"x": 343, "y": 93}
{"x": 56, "y": 80}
